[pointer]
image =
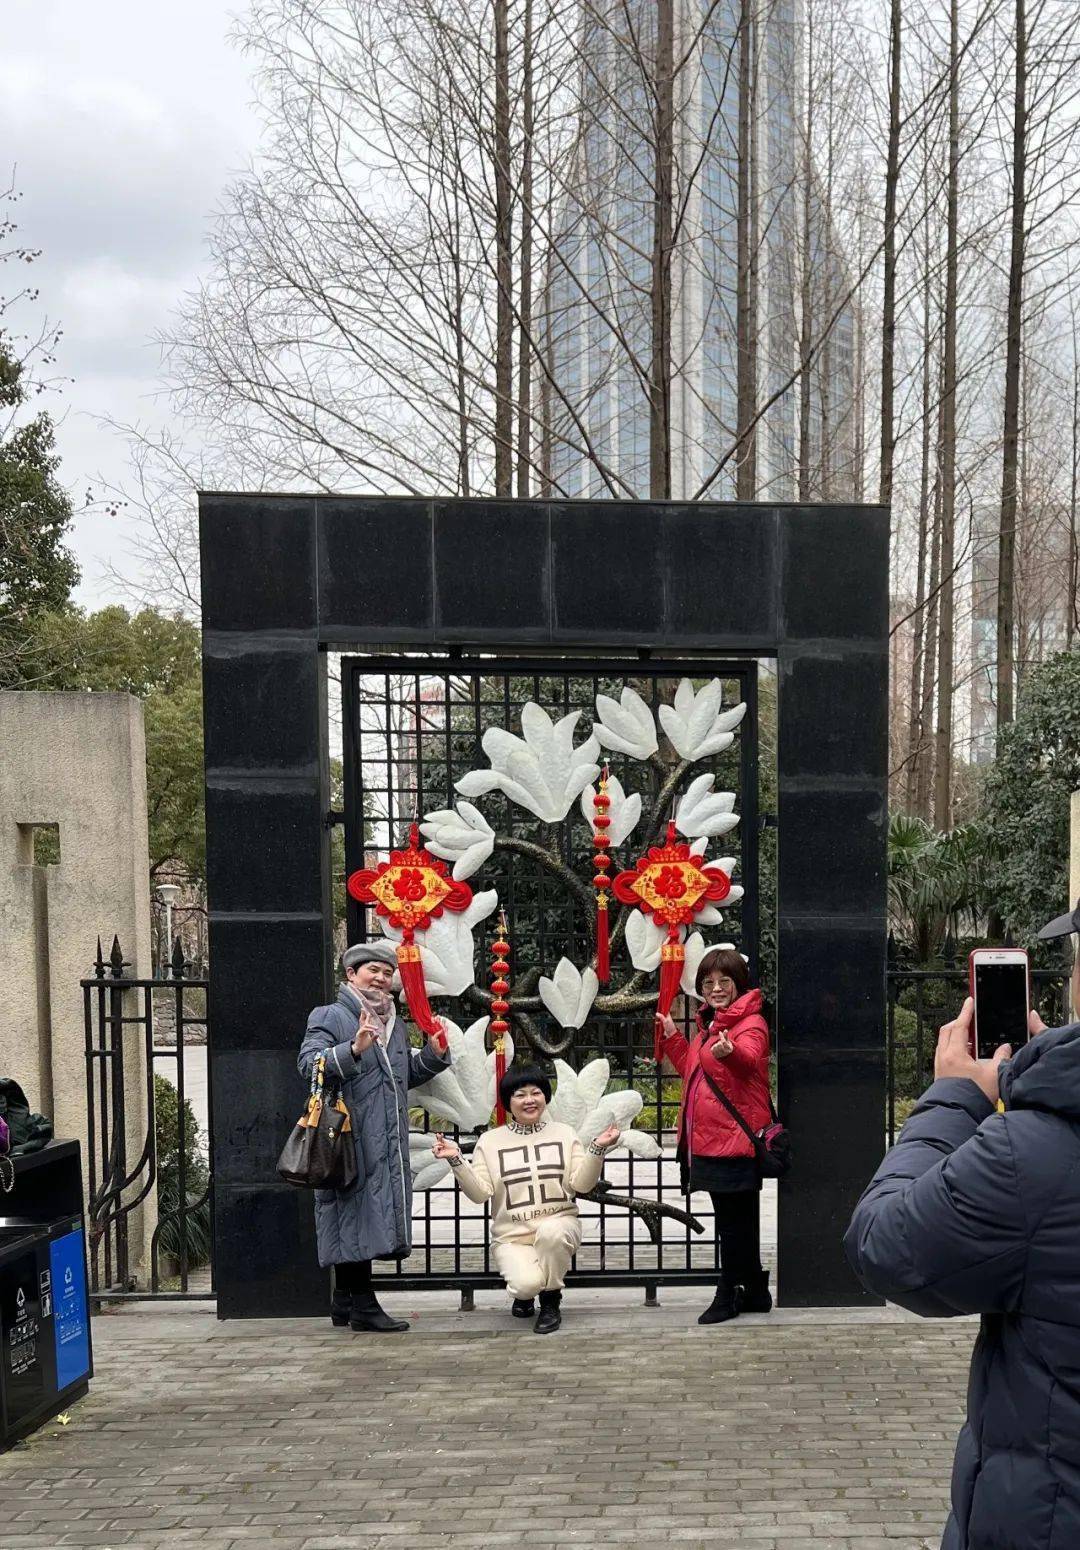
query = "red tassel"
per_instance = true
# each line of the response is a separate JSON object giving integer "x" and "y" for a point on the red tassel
{"x": 500, "y": 1072}
{"x": 412, "y": 983}
{"x": 672, "y": 959}
{"x": 603, "y": 946}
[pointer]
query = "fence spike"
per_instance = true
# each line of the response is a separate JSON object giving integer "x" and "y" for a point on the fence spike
{"x": 116, "y": 959}
{"x": 177, "y": 959}
{"x": 99, "y": 962}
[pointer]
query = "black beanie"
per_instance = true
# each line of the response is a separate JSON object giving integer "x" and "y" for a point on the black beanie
{"x": 523, "y": 1076}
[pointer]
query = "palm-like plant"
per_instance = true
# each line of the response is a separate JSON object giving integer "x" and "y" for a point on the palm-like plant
{"x": 937, "y": 883}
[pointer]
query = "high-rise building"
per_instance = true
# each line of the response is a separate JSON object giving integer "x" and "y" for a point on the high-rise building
{"x": 599, "y": 293}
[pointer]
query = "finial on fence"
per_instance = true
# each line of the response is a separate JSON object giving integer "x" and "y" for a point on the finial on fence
{"x": 178, "y": 963}
{"x": 99, "y": 962}
{"x": 116, "y": 959}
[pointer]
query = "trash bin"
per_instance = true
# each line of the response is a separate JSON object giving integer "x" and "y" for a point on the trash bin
{"x": 44, "y": 1297}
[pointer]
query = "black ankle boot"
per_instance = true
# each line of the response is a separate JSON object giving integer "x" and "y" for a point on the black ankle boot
{"x": 724, "y": 1306}
{"x": 522, "y": 1308}
{"x": 365, "y": 1314}
{"x": 755, "y": 1296}
{"x": 549, "y": 1318}
{"x": 340, "y": 1308}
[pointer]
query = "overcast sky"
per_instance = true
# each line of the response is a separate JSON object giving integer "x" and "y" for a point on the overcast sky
{"x": 124, "y": 120}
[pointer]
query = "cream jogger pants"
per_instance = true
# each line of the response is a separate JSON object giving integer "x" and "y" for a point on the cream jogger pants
{"x": 541, "y": 1265}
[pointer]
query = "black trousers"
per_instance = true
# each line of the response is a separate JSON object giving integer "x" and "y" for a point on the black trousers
{"x": 738, "y": 1226}
{"x": 353, "y": 1276}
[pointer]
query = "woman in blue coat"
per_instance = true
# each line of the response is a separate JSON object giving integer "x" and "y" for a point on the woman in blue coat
{"x": 367, "y": 1050}
{"x": 977, "y": 1210}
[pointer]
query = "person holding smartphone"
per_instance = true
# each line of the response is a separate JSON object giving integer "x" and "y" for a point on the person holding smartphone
{"x": 975, "y": 1210}
{"x": 367, "y": 1051}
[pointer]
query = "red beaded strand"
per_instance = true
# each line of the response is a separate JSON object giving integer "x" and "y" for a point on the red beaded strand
{"x": 500, "y": 968}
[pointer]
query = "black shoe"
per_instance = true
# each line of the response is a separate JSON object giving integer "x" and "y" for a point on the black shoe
{"x": 522, "y": 1308}
{"x": 724, "y": 1306}
{"x": 366, "y": 1315}
{"x": 754, "y": 1295}
{"x": 340, "y": 1308}
{"x": 549, "y": 1318}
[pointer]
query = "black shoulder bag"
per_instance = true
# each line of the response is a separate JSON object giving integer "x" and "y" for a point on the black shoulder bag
{"x": 772, "y": 1143}
{"x": 320, "y": 1152}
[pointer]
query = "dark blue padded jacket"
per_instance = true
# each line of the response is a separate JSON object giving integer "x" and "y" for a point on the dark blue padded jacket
{"x": 975, "y": 1211}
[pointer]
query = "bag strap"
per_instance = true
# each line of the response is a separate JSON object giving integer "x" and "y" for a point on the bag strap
{"x": 732, "y": 1110}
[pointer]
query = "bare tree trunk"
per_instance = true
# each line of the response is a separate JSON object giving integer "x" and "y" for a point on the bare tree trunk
{"x": 888, "y": 302}
{"x": 660, "y": 298}
{"x": 1072, "y": 601}
{"x": 943, "y": 734}
{"x": 916, "y": 729}
{"x": 504, "y": 320}
{"x": 924, "y": 782}
{"x": 806, "y": 322}
{"x": 1007, "y": 530}
{"x": 525, "y": 279}
{"x": 746, "y": 281}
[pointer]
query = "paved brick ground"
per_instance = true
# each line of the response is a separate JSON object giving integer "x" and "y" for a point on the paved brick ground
{"x": 630, "y": 1427}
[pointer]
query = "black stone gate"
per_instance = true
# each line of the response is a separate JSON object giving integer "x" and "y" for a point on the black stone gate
{"x": 286, "y": 580}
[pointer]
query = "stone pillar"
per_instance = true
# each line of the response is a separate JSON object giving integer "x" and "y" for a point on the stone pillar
{"x": 76, "y": 761}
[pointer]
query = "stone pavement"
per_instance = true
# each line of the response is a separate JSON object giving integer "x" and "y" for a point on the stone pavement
{"x": 631, "y": 1427}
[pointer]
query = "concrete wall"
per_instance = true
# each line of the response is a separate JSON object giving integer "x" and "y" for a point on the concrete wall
{"x": 77, "y": 761}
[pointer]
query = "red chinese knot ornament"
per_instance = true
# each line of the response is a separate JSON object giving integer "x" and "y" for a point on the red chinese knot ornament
{"x": 672, "y": 886}
{"x": 411, "y": 890}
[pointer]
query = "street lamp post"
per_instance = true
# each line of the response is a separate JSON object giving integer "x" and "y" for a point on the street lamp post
{"x": 168, "y": 893}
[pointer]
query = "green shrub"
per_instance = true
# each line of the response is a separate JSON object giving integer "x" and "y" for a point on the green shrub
{"x": 167, "y": 1133}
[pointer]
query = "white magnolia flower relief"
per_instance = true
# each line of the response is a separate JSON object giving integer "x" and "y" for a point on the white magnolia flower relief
{"x": 644, "y": 939}
{"x": 582, "y": 1101}
{"x": 703, "y": 812}
{"x": 460, "y": 834}
{"x": 624, "y": 811}
{"x": 696, "y": 725}
{"x": 569, "y": 994}
{"x": 543, "y": 771}
{"x": 625, "y": 725}
{"x": 464, "y": 1094}
{"x": 447, "y": 949}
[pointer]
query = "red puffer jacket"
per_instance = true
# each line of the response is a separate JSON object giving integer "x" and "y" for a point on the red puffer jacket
{"x": 743, "y": 1076}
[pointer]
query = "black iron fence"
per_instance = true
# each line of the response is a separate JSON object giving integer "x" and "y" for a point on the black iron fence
{"x": 919, "y": 1002}
{"x": 411, "y": 729}
{"x": 148, "y": 1122}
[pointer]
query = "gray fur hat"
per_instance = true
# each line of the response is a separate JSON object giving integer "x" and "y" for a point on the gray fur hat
{"x": 369, "y": 952}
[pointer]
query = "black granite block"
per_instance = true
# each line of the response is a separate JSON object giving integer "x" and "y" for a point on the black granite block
{"x": 258, "y": 1096}
{"x": 492, "y": 563}
{"x": 608, "y": 581}
{"x": 833, "y": 1102}
{"x": 831, "y": 850}
{"x": 265, "y": 977}
{"x": 833, "y": 979}
{"x": 834, "y": 716}
{"x": 260, "y": 707}
{"x": 267, "y": 841}
{"x": 721, "y": 570}
{"x": 375, "y": 569}
{"x": 265, "y": 1263}
{"x": 834, "y": 572}
{"x": 258, "y": 562}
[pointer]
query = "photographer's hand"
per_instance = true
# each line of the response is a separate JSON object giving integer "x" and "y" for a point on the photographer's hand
{"x": 953, "y": 1055}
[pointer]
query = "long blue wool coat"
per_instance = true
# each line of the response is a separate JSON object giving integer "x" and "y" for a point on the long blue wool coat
{"x": 979, "y": 1212}
{"x": 372, "y": 1219}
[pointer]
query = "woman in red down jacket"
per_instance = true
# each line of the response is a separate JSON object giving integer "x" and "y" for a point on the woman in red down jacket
{"x": 732, "y": 1047}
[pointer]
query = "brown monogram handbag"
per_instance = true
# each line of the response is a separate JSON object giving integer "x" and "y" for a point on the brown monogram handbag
{"x": 320, "y": 1153}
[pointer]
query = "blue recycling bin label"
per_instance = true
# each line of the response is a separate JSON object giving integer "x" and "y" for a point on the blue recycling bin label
{"x": 71, "y": 1317}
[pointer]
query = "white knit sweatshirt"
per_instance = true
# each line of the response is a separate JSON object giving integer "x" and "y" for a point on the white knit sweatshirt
{"x": 529, "y": 1173}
